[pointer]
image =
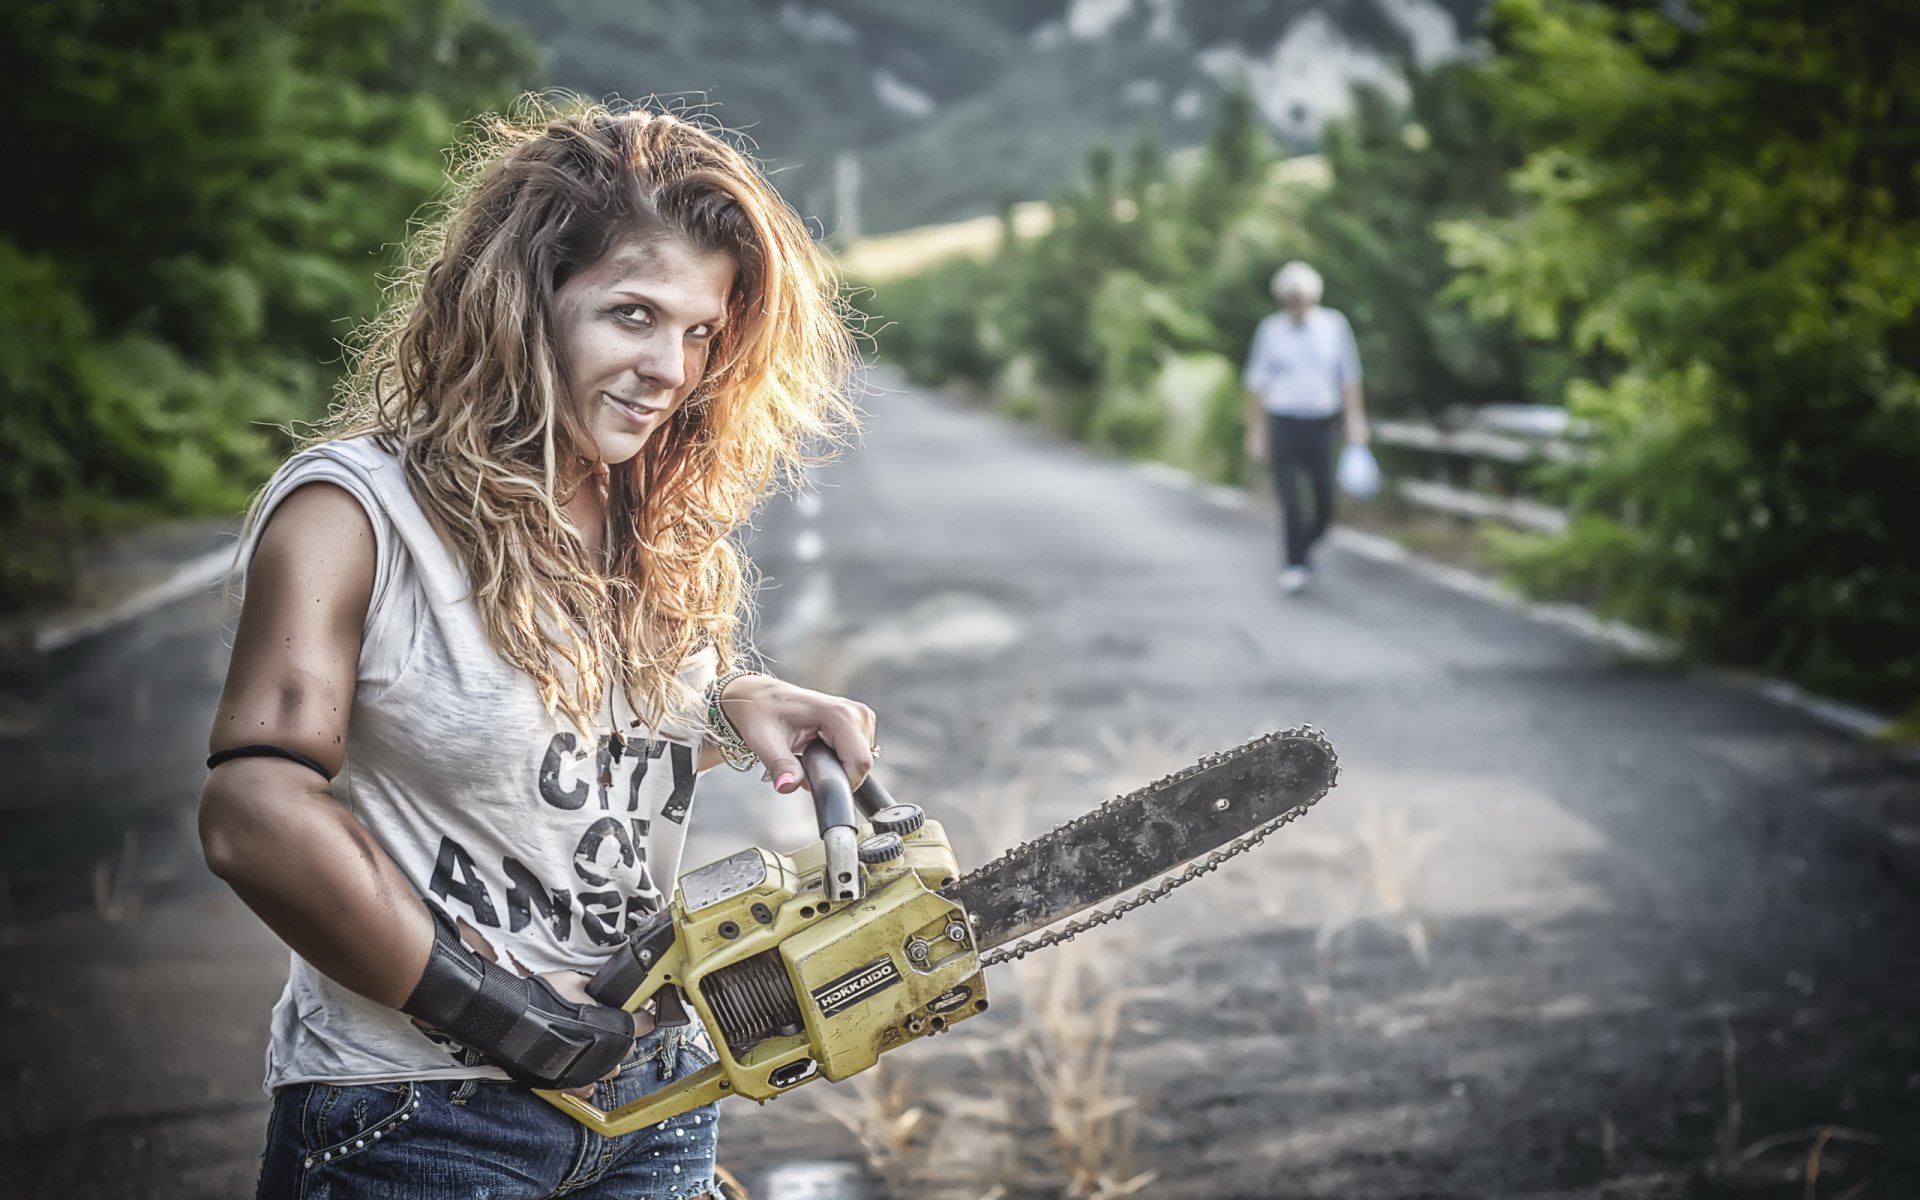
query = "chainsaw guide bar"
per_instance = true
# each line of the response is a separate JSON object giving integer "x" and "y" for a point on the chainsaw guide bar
{"x": 1222, "y": 805}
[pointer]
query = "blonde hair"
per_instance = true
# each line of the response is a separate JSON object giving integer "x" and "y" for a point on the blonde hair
{"x": 462, "y": 378}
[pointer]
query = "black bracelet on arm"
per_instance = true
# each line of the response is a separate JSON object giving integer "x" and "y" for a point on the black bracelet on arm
{"x": 518, "y": 1022}
{"x": 262, "y": 750}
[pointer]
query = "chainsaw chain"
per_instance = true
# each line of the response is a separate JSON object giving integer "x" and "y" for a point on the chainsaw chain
{"x": 1068, "y": 930}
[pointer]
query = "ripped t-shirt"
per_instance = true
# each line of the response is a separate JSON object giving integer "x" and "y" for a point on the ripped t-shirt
{"x": 550, "y": 845}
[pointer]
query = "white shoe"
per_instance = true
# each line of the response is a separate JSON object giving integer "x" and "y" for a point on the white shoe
{"x": 1294, "y": 580}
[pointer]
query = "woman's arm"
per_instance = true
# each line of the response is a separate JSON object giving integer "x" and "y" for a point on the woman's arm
{"x": 270, "y": 828}
{"x": 777, "y": 719}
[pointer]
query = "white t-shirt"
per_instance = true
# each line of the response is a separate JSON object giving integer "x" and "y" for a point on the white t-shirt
{"x": 1297, "y": 368}
{"x": 552, "y": 846}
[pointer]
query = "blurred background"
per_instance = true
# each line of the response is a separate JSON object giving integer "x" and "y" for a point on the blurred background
{"x": 1618, "y": 894}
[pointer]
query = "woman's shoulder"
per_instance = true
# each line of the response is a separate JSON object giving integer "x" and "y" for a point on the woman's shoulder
{"x": 365, "y": 465}
{"x": 361, "y": 466}
{"x": 364, "y": 452}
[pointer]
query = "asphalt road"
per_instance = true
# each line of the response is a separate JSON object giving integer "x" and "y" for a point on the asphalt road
{"x": 1568, "y": 926}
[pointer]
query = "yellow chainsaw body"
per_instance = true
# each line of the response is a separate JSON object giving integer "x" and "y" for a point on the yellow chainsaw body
{"x": 794, "y": 987}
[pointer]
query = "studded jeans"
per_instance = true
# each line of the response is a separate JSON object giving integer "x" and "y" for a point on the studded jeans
{"x": 427, "y": 1139}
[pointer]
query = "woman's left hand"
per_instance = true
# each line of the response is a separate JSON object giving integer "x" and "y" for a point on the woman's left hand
{"x": 777, "y": 719}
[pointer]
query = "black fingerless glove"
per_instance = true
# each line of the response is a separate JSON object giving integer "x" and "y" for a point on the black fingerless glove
{"x": 518, "y": 1022}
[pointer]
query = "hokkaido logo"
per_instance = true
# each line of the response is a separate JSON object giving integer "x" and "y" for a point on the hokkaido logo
{"x": 855, "y": 986}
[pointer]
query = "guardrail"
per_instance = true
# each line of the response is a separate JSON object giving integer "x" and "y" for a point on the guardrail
{"x": 1476, "y": 462}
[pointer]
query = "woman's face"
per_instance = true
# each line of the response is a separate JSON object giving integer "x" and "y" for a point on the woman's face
{"x": 634, "y": 332}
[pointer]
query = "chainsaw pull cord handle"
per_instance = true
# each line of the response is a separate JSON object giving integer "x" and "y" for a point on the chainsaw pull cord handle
{"x": 839, "y": 822}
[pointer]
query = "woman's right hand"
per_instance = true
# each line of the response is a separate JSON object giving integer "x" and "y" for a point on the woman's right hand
{"x": 569, "y": 985}
{"x": 777, "y": 719}
{"x": 572, "y": 985}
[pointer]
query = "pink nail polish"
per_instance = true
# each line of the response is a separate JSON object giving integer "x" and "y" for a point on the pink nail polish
{"x": 786, "y": 782}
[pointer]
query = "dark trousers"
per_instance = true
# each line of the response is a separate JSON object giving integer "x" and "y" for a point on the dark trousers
{"x": 1300, "y": 452}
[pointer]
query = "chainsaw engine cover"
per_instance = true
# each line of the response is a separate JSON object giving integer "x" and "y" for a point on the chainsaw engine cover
{"x": 869, "y": 974}
{"x": 794, "y": 986}
{"x": 825, "y": 985}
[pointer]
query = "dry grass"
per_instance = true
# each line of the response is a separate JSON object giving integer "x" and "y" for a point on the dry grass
{"x": 1062, "y": 1049}
{"x": 1394, "y": 852}
{"x": 114, "y": 898}
{"x": 1391, "y": 851}
{"x": 1726, "y": 1135}
{"x": 1056, "y": 1117}
{"x": 1070, "y": 1023}
{"x": 1732, "y": 1161}
{"x": 911, "y": 251}
{"x": 893, "y": 255}
{"x": 877, "y": 1107}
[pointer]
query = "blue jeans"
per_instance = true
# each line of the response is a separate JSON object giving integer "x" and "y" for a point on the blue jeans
{"x": 427, "y": 1139}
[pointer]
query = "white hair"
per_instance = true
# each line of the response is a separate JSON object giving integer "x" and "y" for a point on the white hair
{"x": 1298, "y": 279}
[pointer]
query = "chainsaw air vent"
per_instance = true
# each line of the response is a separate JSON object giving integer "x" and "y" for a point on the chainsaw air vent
{"x": 753, "y": 1000}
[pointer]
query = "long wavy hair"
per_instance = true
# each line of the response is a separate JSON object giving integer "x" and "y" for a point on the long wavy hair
{"x": 462, "y": 378}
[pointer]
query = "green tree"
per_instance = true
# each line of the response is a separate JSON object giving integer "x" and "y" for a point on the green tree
{"x": 1104, "y": 325}
{"x": 1233, "y": 168}
{"x": 1397, "y": 170}
{"x": 1721, "y": 213}
{"x": 205, "y": 201}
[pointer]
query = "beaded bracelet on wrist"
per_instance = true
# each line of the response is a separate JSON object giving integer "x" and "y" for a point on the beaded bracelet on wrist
{"x": 726, "y": 739}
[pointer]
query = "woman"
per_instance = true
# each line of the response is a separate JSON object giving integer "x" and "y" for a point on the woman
{"x": 488, "y": 639}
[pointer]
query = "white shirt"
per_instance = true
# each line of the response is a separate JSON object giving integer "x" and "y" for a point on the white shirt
{"x": 552, "y": 846}
{"x": 1298, "y": 368}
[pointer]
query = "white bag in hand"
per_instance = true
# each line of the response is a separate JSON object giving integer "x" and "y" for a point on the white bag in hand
{"x": 1359, "y": 473}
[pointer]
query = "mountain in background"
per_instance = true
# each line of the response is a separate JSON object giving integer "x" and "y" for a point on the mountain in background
{"x": 877, "y": 115}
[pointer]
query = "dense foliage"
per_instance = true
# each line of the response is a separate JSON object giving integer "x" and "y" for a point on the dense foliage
{"x": 1698, "y": 226}
{"x": 1396, "y": 173}
{"x": 1721, "y": 211}
{"x": 207, "y": 194}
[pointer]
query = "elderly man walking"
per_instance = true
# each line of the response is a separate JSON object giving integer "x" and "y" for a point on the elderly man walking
{"x": 1302, "y": 376}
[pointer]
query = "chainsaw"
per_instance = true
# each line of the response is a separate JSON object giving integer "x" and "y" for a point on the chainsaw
{"x": 812, "y": 964}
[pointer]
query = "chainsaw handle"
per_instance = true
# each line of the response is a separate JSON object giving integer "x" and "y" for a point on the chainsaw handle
{"x": 839, "y": 823}
{"x": 827, "y": 780}
{"x": 820, "y": 763}
{"x": 871, "y": 796}
{"x": 627, "y": 978}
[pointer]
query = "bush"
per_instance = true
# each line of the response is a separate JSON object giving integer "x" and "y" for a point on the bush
{"x": 1746, "y": 320}
{"x": 930, "y": 326}
{"x": 212, "y": 191}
